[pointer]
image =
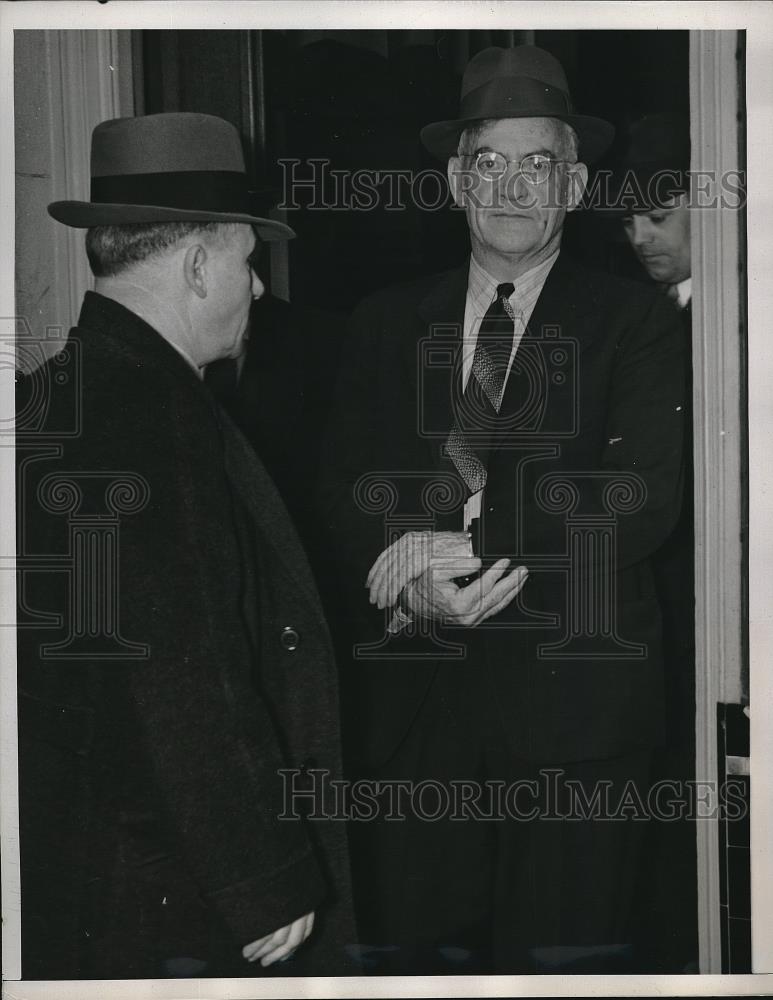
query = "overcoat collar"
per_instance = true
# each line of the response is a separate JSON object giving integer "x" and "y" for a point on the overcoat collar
{"x": 143, "y": 345}
{"x": 128, "y": 331}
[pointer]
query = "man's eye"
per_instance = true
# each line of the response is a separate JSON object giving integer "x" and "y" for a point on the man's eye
{"x": 657, "y": 219}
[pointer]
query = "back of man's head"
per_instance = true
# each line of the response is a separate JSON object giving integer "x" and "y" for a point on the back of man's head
{"x": 113, "y": 250}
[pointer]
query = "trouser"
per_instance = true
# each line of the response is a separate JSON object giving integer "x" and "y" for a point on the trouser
{"x": 481, "y": 862}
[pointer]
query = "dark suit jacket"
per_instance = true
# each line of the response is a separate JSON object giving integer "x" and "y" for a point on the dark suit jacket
{"x": 618, "y": 409}
{"x": 674, "y": 569}
{"x": 149, "y": 787}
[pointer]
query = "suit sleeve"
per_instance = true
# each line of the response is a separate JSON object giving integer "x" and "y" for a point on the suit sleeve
{"x": 205, "y": 730}
{"x": 645, "y": 428}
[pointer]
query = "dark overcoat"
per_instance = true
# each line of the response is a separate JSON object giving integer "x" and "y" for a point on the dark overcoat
{"x": 597, "y": 397}
{"x": 183, "y": 664}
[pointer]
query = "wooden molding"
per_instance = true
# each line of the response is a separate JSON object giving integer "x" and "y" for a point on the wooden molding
{"x": 717, "y": 395}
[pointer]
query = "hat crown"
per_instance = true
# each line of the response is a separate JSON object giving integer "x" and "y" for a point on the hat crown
{"x": 178, "y": 166}
{"x": 521, "y": 61}
{"x": 521, "y": 82}
{"x": 165, "y": 143}
{"x": 661, "y": 138}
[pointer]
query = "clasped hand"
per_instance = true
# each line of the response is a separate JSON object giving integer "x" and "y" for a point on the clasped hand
{"x": 422, "y": 567}
{"x": 281, "y": 944}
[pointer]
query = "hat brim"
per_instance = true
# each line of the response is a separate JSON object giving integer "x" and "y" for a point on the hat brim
{"x": 632, "y": 190}
{"x": 85, "y": 214}
{"x": 594, "y": 134}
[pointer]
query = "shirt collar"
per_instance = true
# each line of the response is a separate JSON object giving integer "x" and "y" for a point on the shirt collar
{"x": 481, "y": 287}
{"x": 684, "y": 292}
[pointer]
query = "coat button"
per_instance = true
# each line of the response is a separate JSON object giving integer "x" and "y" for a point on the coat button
{"x": 290, "y": 638}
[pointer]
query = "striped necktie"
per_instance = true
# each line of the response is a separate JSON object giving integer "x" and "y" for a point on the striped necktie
{"x": 476, "y": 409}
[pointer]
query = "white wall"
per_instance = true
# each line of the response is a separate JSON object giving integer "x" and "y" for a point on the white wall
{"x": 65, "y": 82}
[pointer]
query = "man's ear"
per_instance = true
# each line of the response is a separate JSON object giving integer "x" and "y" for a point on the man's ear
{"x": 194, "y": 269}
{"x": 577, "y": 181}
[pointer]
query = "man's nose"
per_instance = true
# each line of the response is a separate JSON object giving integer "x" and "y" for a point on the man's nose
{"x": 640, "y": 230}
{"x": 258, "y": 288}
{"x": 513, "y": 186}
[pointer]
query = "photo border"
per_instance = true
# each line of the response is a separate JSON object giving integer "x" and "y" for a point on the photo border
{"x": 757, "y": 19}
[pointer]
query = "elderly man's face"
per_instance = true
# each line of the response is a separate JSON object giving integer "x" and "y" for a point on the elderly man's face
{"x": 661, "y": 240}
{"x": 510, "y": 219}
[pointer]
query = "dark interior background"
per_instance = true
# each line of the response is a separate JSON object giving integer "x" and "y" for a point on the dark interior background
{"x": 358, "y": 99}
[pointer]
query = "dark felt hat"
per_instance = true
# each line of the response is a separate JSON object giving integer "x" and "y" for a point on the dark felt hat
{"x": 655, "y": 165}
{"x": 179, "y": 167}
{"x": 522, "y": 82}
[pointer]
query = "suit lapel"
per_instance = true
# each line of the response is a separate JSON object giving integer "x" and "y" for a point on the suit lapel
{"x": 562, "y": 326}
{"x": 567, "y": 310}
{"x": 435, "y": 360}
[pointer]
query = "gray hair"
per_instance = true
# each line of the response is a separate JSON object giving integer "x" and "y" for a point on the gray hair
{"x": 113, "y": 249}
{"x": 567, "y": 137}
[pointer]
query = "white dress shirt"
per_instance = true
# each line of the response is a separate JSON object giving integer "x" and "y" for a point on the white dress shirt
{"x": 683, "y": 292}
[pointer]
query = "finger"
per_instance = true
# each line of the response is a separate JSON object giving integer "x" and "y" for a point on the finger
{"x": 377, "y": 569}
{"x": 371, "y": 572}
{"x": 276, "y": 940}
{"x": 449, "y": 569}
{"x": 508, "y": 586}
{"x": 385, "y": 582}
{"x": 383, "y": 558}
{"x": 408, "y": 562}
{"x": 309, "y": 925}
{"x": 294, "y": 938}
{"x": 492, "y": 576}
{"x": 382, "y": 582}
{"x": 507, "y": 597}
{"x": 379, "y": 579}
{"x": 248, "y": 951}
{"x": 470, "y": 598}
{"x": 401, "y": 571}
{"x": 499, "y": 597}
{"x": 389, "y": 568}
{"x": 496, "y": 609}
{"x": 251, "y": 950}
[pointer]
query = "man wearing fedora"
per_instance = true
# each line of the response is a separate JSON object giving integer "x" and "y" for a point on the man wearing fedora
{"x": 651, "y": 194}
{"x": 192, "y": 662}
{"x": 490, "y": 421}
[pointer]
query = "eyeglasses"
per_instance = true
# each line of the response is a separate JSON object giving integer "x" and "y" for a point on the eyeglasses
{"x": 535, "y": 167}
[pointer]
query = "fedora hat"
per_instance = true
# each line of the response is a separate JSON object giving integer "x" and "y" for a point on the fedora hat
{"x": 179, "y": 167}
{"x": 522, "y": 82}
{"x": 655, "y": 165}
